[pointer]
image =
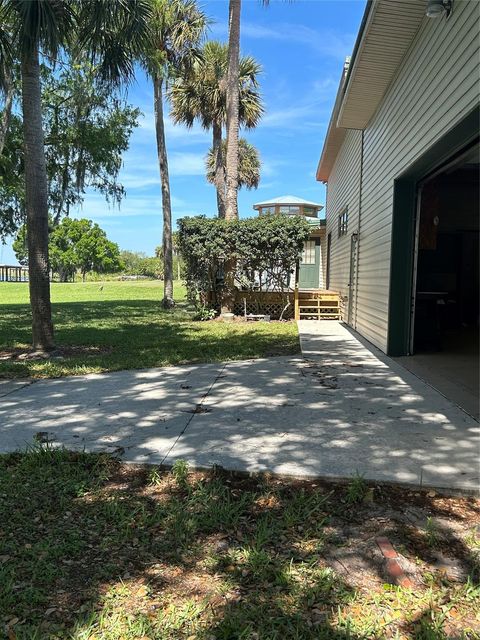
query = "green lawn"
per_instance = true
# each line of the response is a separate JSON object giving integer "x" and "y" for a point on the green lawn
{"x": 91, "y": 549}
{"x": 121, "y": 325}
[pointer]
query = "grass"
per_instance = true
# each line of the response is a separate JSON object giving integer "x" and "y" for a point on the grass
{"x": 121, "y": 325}
{"x": 91, "y": 549}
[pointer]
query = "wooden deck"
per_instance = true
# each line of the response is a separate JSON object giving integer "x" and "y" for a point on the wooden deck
{"x": 317, "y": 305}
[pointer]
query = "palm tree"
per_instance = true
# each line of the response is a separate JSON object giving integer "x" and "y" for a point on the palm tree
{"x": 178, "y": 28}
{"x": 201, "y": 95}
{"x": 111, "y": 34}
{"x": 8, "y": 91}
{"x": 248, "y": 165}
{"x": 231, "y": 163}
{"x": 6, "y": 84}
{"x": 36, "y": 27}
{"x": 232, "y": 106}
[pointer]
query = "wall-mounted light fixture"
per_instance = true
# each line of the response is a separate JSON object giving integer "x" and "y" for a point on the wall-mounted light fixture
{"x": 438, "y": 8}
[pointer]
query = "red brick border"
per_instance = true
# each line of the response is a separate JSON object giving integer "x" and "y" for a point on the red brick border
{"x": 392, "y": 566}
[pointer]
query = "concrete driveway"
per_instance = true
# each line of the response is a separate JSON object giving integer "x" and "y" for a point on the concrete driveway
{"x": 341, "y": 409}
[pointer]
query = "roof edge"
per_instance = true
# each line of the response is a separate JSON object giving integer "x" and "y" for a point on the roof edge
{"x": 323, "y": 170}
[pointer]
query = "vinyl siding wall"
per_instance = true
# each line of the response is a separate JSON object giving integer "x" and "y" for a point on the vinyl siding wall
{"x": 343, "y": 190}
{"x": 437, "y": 85}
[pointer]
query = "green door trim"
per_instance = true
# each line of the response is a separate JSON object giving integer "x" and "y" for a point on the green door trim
{"x": 403, "y": 227}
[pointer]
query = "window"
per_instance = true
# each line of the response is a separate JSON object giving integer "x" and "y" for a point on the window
{"x": 310, "y": 211}
{"x": 308, "y": 253}
{"x": 343, "y": 223}
{"x": 289, "y": 210}
{"x": 267, "y": 210}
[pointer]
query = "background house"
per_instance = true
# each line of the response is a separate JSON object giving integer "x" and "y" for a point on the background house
{"x": 313, "y": 260}
{"x": 401, "y": 161}
{"x": 305, "y": 292}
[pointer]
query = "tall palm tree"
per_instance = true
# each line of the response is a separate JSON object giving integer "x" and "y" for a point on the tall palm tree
{"x": 249, "y": 165}
{"x": 36, "y": 27}
{"x": 231, "y": 163}
{"x": 7, "y": 90}
{"x": 232, "y": 106}
{"x": 111, "y": 33}
{"x": 6, "y": 84}
{"x": 178, "y": 28}
{"x": 201, "y": 95}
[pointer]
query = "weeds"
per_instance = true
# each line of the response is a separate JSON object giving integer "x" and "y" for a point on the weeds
{"x": 91, "y": 549}
{"x": 180, "y": 473}
{"x": 357, "y": 490}
{"x": 432, "y": 533}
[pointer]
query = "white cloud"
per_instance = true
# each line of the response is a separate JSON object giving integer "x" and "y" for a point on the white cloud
{"x": 295, "y": 114}
{"x": 96, "y": 208}
{"x": 323, "y": 41}
{"x": 271, "y": 166}
{"x": 141, "y": 181}
{"x": 174, "y": 133}
{"x": 186, "y": 164}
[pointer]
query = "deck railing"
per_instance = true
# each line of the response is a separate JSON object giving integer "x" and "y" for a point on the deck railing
{"x": 13, "y": 273}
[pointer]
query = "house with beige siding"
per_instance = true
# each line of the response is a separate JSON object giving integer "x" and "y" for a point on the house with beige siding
{"x": 401, "y": 165}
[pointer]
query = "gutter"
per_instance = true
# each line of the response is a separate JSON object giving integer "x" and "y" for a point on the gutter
{"x": 346, "y": 73}
{"x": 366, "y": 15}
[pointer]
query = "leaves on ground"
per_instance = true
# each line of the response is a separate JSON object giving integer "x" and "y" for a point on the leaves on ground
{"x": 94, "y": 549}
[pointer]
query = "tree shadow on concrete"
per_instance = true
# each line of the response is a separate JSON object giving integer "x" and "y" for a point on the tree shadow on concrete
{"x": 347, "y": 412}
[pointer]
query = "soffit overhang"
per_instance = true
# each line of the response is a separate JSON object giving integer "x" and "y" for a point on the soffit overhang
{"x": 386, "y": 33}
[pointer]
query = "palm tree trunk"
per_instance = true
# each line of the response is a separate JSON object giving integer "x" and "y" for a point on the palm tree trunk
{"x": 232, "y": 109}
{"x": 36, "y": 201}
{"x": 219, "y": 170}
{"x": 7, "y": 110}
{"x": 231, "y": 161}
{"x": 168, "y": 301}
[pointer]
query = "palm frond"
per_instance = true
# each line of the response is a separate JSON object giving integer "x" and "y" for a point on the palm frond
{"x": 249, "y": 164}
{"x": 44, "y": 23}
{"x": 177, "y": 30}
{"x": 201, "y": 93}
{"x": 113, "y": 34}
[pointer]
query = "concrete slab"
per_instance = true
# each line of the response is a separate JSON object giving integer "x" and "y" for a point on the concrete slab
{"x": 142, "y": 412}
{"x": 343, "y": 408}
{"x": 454, "y": 371}
{"x": 9, "y": 386}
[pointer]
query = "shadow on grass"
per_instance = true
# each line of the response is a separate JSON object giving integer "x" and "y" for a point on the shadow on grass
{"x": 139, "y": 334}
{"x": 94, "y": 549}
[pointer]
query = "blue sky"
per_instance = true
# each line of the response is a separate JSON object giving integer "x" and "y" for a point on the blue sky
{"x": 302, "y": 47}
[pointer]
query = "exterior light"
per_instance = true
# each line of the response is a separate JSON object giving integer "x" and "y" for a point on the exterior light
{"x": 437, "y": 8}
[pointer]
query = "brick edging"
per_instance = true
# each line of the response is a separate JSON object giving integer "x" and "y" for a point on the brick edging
{"x": 392, "y": 566}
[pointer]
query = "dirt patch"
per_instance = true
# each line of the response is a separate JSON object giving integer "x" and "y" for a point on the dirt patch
{"x": 18, "y": 353}
{"x": 181, "y": 555}
{"x": 250, "y": 320}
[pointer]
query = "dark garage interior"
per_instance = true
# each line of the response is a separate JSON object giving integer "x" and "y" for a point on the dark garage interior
{"x": 445, "y": 344}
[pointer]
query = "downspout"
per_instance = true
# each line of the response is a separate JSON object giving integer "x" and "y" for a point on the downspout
{"x": 358, "y": 228}
{"x": 325, "y": 268}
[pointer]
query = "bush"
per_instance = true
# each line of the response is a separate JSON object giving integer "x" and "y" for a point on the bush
{"x": 137, "y": 263}
{"x": 264, "y": 249}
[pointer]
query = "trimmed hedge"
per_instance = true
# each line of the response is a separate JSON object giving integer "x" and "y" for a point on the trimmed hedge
{"x": 264, "y": 249}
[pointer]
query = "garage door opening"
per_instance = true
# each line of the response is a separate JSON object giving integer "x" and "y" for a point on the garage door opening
{"x": 445, "y": 311}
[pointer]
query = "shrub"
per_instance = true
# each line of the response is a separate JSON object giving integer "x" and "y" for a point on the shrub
{"x": 265, "y": 251}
